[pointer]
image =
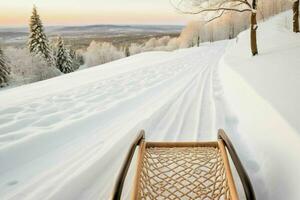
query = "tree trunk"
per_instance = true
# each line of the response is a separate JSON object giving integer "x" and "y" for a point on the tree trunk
{"x": 253, "y": 34}
{"x": 296, "y": 16}
{"x": 127, "y": 51}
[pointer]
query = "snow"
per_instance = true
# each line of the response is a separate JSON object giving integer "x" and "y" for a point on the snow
{"x": 66, "y": 137}
{"x": 264, "y": 94}
{"x": 60, "y": 136}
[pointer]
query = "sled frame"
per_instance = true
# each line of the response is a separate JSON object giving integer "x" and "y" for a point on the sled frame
{"x": 223, "y": 145}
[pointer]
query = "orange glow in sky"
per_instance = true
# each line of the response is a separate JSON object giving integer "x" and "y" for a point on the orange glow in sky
{"x": 75, "y": 12}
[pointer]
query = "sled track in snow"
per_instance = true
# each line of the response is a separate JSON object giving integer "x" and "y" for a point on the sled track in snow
{"x": 69, "y": 144}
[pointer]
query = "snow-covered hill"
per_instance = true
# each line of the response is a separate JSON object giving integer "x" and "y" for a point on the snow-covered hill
{"x": 264, "y": 95}
{"x": 65, "y": 138}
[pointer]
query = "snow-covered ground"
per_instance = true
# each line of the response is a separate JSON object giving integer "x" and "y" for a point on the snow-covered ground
{"x": 65, "y": 138}
{"x": 264, "y": 95}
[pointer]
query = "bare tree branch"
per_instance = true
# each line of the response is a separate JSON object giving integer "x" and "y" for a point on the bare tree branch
{"x": 194, "y": 7}
{"x": 212, "y": 19}
{"x": 216, "y": 9}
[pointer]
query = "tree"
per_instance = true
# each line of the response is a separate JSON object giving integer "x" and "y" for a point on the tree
{"x": 76, "y": 58}
{"x": 135, "y": 48}
{"x": 211, "y": 33}
{"x": 38, "y": 42}
{"x": 4, "y": 70}
{"x": 127, "y": 52}
{"x": 231, "y": 25}
{"x": 190, "y": 35}
{"x": 296, "y": 16}
{"x": 253, "y": 28}
{"x": 26, "y": 68}
{"x": 99, "y": 53}
{"x": 219, "y": 8}
{"x": 198, "y": 40}
{"x": 63, "y": 58}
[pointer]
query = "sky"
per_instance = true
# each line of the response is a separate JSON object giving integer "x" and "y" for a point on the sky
{"x": 80, "y": 12}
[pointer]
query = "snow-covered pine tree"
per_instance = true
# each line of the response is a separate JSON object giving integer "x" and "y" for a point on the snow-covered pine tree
{"x": 4, "y": 70}
{"x": 75, "y": 59}
{"x": 38, "y": 42}
{"x": 63, "y": 58}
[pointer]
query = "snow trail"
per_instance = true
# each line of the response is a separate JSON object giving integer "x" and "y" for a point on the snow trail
{"x": 69, "y": 142}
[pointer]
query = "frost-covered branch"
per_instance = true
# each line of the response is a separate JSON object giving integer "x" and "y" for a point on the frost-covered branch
{"x": 214, "y": 6}
{"x": 218, "y": 8}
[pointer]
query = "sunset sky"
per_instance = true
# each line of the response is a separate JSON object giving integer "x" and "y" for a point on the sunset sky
{"x": 77, "y": 12}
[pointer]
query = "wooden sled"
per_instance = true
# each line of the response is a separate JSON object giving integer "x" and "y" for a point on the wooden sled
{"x": 184, "y": 170}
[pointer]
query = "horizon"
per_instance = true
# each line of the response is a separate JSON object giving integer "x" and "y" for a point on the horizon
{"x": 16, "y": 13}
{"x": 86, "y": 25}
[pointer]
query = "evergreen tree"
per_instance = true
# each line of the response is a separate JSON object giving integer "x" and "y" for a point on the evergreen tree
{"x": 38, "y": 42}
{"x": 75, "y": 59}
{"x": 63, "y": 58}
{"x": 4, "y": 69}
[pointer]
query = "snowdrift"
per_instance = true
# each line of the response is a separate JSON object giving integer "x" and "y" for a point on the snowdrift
{"x": 65, "y": 138}
{"x": 264, "y": 95}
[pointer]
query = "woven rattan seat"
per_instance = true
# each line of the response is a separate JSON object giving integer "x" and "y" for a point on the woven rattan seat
{"x": 185, "y": 171}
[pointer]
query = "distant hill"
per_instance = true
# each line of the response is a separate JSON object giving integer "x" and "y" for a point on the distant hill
{"x": 98, "y": 27}
{"x": 124, "y": 28}
{"x": 15, "y": 34}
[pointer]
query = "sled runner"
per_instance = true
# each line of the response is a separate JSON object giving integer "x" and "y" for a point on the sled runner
{"x": 184, "y": 170}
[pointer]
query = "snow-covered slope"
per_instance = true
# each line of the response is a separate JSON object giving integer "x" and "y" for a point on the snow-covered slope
{"x": 65, "y": 138}
{"x": 264, "y": 94}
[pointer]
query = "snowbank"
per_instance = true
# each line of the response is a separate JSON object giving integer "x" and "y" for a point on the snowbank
{"x": 263, "y": 92}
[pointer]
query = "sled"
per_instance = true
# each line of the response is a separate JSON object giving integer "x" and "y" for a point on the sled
{"x": 184, "y": 170}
